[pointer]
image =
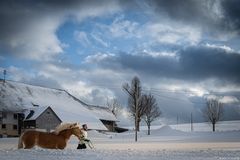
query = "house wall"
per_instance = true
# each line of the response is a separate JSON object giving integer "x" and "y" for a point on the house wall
{"x": 47, "y": 120}
{"x": 8, "y": 131}
{"x": 8, "y": 119}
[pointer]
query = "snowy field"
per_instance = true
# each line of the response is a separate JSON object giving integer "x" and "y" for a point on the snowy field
{"x": 164, "y": 143}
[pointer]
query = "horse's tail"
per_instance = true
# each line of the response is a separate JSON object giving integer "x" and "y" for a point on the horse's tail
{"x": 20, "y": 143}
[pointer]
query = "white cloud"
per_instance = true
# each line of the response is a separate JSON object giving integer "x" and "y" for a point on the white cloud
{"x": 172, "y": 33}
{"x": 121, "y": 28}
{"x": 96, "y": 9}
{"x": 82, "y": 37}
{"x": 98, "y": 57}
{"x": 164, "y": 32}
{"x": 223, "y": 99}
{"x": 229, "y": 99}
{"x": 224, "y": 47}
{"x": 159, "y": 54}
{"x": 61, "y": 73}
{"x": 99, "y": 40}
{"x": 79, "y": 89}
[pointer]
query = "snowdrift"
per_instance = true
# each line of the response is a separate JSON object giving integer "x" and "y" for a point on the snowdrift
{"x": 167, "y": 131}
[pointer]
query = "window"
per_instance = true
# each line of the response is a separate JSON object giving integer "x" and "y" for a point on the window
{"x": 15, "y": 116}
{"x": 3, "y": 126}
{"x": 15, "y": 127}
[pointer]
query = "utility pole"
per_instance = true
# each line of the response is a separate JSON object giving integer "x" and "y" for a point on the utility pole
{"x": 136, "y": 117}
{"x": 4, "y": 75}
{"x": 177, "y": 119}
{"x": 191, "y": 122}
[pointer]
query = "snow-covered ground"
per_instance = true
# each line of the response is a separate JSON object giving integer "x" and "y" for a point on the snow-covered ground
{"x": 163, "y": 143}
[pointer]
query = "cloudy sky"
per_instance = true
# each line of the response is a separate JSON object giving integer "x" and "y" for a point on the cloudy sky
{"x": 182, "y": 51}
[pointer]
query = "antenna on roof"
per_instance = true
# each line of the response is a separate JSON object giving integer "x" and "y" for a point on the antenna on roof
{"x": 4, "y": 75}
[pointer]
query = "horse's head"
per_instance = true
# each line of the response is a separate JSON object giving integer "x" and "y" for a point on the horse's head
{"x": 76, "y": 130}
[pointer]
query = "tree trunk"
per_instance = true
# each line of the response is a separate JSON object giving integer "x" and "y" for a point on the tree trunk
{"x": 149, "y": 129}
{"x": 138, "y": 125}
{"x": 213, "y": 126}
{"x": 135, "y": 129}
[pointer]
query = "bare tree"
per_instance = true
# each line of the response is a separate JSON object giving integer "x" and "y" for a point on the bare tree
{"x": 134, "y": 101}
{"x": 152, "y": 111}
{"x": 213, "y": 112}
{"x": 114, "y": 106}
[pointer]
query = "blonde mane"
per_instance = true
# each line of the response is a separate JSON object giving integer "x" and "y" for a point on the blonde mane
{"x": 64, "y": 126}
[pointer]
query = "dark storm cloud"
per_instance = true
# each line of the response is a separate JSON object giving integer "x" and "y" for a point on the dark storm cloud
{"x": 231, "y": 11}
{"x": 151, "y": 65}
{"x": 191, "y": 64}
{"x": 204, "y": 62}
{"x": 188, "y": 10}
{"x": 223, "y": 15}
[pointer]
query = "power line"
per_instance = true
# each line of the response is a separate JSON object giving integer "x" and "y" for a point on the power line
{"x": 177, "y": 99}
{"x": 157, "y": 92}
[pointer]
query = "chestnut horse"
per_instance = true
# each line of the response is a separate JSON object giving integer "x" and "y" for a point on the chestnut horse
{"x": 54, "y": 140}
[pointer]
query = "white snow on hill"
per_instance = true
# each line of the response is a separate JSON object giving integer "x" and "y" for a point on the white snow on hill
{"x": 18, "y": 96}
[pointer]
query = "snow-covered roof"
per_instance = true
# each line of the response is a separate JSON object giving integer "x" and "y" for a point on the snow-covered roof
{"x": 16, "y": 96}
{"x": 34, "y": 113}
{"x": 103, "y": 113}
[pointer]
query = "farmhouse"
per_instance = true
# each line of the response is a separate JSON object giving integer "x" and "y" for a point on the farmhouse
{"x": 22, "y": 103}
{"x": 8, "y": 123}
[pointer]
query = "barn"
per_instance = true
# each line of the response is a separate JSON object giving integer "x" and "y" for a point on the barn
{"x": 43, "y": 118}
{"x": 27, "y": 100}
{"x": 105, "y": 116}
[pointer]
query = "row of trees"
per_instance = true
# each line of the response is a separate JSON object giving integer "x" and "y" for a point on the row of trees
{"x": 144, "y": 107}
{"x": 141, "y": 106}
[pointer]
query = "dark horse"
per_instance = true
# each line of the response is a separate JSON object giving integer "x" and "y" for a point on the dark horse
{"x": 53, "y": 140}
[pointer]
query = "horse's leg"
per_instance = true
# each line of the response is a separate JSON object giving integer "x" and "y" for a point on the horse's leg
{"x": 61, "y": 147}
{"x": 30, "y": 141}
{"x": 20, "y": 143}
{"x": 30, "y": 144}
{"x": 61, "y": 144}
